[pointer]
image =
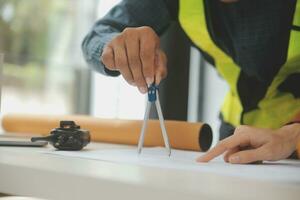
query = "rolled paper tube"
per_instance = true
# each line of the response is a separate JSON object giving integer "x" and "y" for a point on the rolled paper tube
{"x": 298, "y": 150}
{"x": 182, "y": 135}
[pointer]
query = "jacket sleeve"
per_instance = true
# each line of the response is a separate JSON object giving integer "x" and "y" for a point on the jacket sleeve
{"x": 128, "y": 13}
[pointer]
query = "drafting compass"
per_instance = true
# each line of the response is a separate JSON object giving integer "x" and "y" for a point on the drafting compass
{"x": 154, "y": 98}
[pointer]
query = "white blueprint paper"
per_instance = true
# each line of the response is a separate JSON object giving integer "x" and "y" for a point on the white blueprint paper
{"x": 285, "y": 170}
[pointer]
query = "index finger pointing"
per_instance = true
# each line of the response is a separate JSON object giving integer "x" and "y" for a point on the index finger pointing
{"x": 224, "y": 145}
{"x": 211, "y": 154}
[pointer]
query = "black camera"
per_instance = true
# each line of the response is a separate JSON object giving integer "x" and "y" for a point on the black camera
{"x": 68, "y": 137}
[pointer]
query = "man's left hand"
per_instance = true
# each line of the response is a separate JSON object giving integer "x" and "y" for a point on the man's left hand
{"x": 250, "y": 144}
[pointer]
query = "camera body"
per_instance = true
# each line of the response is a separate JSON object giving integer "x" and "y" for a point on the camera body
{"x": 67, "y": 137}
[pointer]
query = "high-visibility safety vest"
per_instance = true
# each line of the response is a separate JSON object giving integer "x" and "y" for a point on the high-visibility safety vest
{"x": 276, "y": 108}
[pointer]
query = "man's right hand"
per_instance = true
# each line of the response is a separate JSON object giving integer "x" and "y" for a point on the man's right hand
{"x": 136, "y": 54}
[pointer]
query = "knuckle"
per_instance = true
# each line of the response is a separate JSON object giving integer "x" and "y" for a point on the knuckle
{"x": 129, "y": 34}
{"x": 149, "y": 33}
{"x": 154, "y": 38}
{"x": 240, "y": 129}
{"x": 164, "y": 57}
{"x": 146, "y": 29}
{"x": 106, "y": 57}
{"x": 118, "y": 40}
{"x": 246, "y": 126}
{"x": 128, "y": 30}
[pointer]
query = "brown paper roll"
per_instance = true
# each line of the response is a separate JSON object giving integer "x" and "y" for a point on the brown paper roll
{"x": 182, "y": 135}
{"x": 298, "y": 150}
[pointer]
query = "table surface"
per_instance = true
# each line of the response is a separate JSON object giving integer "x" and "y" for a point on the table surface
{"x": 27, "y": 171}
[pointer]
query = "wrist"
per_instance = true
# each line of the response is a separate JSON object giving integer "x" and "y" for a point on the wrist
{"x": 293, "y": 132}
{"x": 296, "y": 129}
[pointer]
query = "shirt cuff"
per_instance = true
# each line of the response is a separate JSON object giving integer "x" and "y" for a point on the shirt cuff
{"x": 96, "y": 46}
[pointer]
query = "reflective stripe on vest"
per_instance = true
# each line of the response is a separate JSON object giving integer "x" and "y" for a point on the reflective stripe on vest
{"x": 276, "y": 108}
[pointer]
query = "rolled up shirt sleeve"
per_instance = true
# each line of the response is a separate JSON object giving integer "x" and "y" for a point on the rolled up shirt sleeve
{"x": 128, "y": 13}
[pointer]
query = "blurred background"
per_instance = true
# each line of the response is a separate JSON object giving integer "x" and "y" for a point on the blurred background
{"x": 44, "y": 71}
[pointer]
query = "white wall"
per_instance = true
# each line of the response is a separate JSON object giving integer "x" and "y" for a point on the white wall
{"x": 215, "y": 89}
{"x": 114, "y": 97}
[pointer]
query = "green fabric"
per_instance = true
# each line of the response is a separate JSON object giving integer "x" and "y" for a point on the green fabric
{"x": 272, "y": 108}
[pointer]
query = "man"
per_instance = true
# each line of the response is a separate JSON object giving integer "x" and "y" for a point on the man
{"x": 254, "y": 45}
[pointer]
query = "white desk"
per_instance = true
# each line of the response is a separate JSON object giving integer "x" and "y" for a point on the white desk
{"x": 28, "y": 172}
